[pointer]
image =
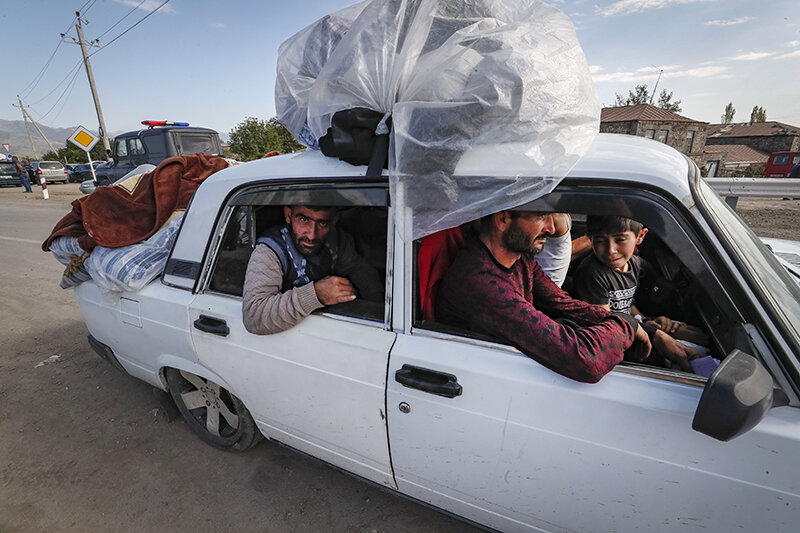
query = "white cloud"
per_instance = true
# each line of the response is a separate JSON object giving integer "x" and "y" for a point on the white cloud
{"x": 793, "y": 43}
{"x": 728, "y": 22}
{"x": 220, "y": 25}
{"x": 796, "y": 53}
{"x": 718, "y": 72}
{"x": 595, "y": 68}
{"x": 147, "y": 5}
{"x": 750, "y": 56}
{"x": 626, "y": 7}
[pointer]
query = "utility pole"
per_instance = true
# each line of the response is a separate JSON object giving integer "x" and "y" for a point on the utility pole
{"x": 35, "y": 125}
{"x": 88, "y": 66}
{"x": 27, "y": 127}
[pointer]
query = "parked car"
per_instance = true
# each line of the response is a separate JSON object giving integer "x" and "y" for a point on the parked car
{"x": 9, "y": 174}
{"x": 464, "y": 422}
{"x": 162, "y": 139}
{"x": 780, "y": 164}
{"x": 51, "y": 171}
{"x": 82, "y": 172}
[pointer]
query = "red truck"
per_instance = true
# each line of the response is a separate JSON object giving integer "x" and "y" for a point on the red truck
{"x": 780, "y": 164}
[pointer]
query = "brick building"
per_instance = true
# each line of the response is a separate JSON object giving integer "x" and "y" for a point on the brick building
{"x": 766, "y": 137}
{"x": 730, "y": 160}
{"x": 684, "y": 134}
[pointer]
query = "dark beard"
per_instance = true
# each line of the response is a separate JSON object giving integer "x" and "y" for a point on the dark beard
{"x": 302, "y": 249}
{"x": 516, "y": 240}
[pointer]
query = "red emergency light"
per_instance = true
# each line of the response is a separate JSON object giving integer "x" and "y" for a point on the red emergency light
{"x": 152, "y": 123}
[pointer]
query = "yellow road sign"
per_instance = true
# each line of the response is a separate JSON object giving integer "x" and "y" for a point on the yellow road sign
{"x": 83, "y": 138}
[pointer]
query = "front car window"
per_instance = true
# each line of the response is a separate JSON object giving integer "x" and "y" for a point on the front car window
{"x": 778, "y": 286}
{"x": 121, "y": 148}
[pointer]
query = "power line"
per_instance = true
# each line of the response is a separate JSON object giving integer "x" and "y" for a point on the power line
{"x": 131, "y": 27}
{"x": 120, "y": 20}
{"x": 69, "y": 87}
{"x": 35, "y": 82}
{"x": 77, "y": 66}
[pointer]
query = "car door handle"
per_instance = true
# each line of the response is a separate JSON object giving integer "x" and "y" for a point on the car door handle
{"x": 212, "y": 325}
{"x": 428, "y": 380}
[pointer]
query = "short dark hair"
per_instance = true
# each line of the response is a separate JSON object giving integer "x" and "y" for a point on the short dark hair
{"x": 611, "y": 225}
{"x": 486, "y": 221}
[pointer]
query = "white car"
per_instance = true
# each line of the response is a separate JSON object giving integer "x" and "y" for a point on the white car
{"x": 467, "y": 423}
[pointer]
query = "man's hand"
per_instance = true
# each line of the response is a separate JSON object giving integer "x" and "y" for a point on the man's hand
{"x": 640, "y": 348}
{"x": 333, "y": 290}
{"x": 674, "y": 351}
{"x": 665, "y": 324}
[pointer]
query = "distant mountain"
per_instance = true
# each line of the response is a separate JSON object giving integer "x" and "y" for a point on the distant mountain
{"x": 12, "y": 132}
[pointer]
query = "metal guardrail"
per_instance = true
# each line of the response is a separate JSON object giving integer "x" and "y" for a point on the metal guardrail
{"x": 733, "y": 188}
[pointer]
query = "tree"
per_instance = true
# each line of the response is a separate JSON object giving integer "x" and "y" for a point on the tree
{"x": 72, "y": 154}
{"x": 727, "y": 117}
{"x": 665, "y": 102}
{"x": 641, "y": 95}
{"x": 758, "y": 114}
{"x": 253, "y": 138}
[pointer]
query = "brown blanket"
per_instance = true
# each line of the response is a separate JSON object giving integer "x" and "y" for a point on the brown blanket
{"x": 135, "y": 209}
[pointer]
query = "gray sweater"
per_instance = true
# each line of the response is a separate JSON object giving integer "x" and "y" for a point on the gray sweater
{"x": 266, "y": 310}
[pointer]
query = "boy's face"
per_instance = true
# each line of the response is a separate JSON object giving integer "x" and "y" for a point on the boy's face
{"x": 614, "y": 250}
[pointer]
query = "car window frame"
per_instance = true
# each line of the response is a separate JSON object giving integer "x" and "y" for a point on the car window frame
{"x": 272, "y": 190}
{"x": 707, "y": 254}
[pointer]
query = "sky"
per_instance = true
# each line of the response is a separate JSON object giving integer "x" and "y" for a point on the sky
{"x": 212, "y": 63}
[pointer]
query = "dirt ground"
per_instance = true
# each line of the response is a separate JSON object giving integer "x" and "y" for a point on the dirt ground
{"x": 84, "y": 447}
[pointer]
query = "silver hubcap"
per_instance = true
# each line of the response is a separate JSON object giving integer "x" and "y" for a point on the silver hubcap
{"x": 207, "y": 395}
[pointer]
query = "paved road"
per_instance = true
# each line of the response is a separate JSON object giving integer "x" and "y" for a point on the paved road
{"x": 85, "y": 448}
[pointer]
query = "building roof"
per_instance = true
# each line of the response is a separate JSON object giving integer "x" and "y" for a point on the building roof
{"x": 641, "y": 112}
{"x": 737, "y": 153}
{"x": 756, "y": 129}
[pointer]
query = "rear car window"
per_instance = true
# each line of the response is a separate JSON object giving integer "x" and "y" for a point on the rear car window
{"x": 7, "y": 167}
{"x": 50, "y": 165}
{"x": 199, "y": 143}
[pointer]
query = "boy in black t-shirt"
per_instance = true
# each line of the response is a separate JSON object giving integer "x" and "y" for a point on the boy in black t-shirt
{"x": 610, "y": 276}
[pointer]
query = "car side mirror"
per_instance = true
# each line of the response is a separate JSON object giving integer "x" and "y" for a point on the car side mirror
{"x": 736, "y": 397}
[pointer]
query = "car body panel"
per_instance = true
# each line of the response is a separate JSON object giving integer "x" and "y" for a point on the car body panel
{"x": 527, "y": 447}
{"x": 318, "y": 387}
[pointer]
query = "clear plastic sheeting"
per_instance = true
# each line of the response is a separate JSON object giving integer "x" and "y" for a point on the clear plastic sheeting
{"x": 457, "y": 77}
{"x": 300, "y": 59}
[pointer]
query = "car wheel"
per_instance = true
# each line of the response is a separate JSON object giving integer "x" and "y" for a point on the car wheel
{"x": 215, "y": 415}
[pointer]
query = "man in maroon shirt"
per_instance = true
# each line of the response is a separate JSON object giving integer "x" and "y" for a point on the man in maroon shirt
{"x": 495, "y": 286}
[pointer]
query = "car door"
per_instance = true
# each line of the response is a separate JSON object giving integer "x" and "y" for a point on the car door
{"x": 319, "y": 386}
{"x": 479, "y": 429}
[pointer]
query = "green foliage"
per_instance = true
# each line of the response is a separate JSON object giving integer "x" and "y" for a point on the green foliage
{"x": 72, "y": 154}
{"x": 641, "y": 95}
{"x": 755, "y": 170}
{"x": 253, "y": 138}
{"x": 758, "y": 114}
{"x": 727, "y": 116}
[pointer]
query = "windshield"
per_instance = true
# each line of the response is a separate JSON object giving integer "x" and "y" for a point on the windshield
{"x": 7, "y": 167}
{"x": 782, "y": 292}
{"x": 197, "y": 143}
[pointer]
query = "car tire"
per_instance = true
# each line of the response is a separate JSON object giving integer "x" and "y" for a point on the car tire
{"x": 212, "y": 413}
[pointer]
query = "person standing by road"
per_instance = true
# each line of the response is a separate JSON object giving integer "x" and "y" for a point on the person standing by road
{"x": 23, "y": 174}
